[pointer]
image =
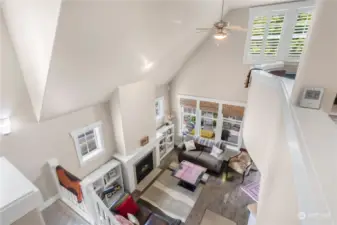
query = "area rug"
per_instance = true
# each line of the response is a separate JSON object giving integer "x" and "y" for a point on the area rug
{"x": 252, "y": 190}
{"x": 174, "y": 200}
{"x": 215, "y": 219}
{"x": 148, "y": 179}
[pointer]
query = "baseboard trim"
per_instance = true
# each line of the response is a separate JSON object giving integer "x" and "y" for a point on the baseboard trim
{"x": 49, "y": 202}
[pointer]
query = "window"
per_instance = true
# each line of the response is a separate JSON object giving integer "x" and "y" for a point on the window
{"x": 277, "y": 32}
{"x": 300, "y": 34}
{"x": 209, "y": 117}
{"x": 189, "y": 116}
{"x": 88, "y": 141}
{"x": 256, "y": 40}
{"x": 231, "y": 127}
{"x": 212, "y": 119}
{"x": 274, "y": 35}
{"x": 159, "y": 106}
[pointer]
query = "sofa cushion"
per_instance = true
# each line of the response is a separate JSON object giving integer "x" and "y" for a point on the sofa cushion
{"x": 191, "y": 154}
{"x": 189, "y": 145}
{"x": 209, "y": 143}
{"x": 210, "y": 162}
{"x": 204, "y": 141}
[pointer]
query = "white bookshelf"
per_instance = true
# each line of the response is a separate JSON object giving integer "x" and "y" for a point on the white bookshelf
{"x": 166, "y": 140}
{"x": 104, "y": 177}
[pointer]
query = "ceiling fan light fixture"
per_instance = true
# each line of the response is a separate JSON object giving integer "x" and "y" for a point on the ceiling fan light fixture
{"x": 220, "y": 35}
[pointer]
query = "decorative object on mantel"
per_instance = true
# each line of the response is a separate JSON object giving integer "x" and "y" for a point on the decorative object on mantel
{"x": 144, "y": 141}
{"x": 312, "y": 98}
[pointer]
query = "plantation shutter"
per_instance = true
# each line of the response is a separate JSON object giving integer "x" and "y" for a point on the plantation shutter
{"x": 257, "y": 37}
{"x": 274, "y": 35}
{"x": 266, "y": 36}
{"x": 300, "y": 34}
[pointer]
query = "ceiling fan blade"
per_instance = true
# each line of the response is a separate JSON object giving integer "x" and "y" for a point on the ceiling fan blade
{"x": 203, "y": 29}
{"x": 237, "y": 28}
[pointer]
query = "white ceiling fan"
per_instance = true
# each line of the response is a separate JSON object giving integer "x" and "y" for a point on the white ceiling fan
{"x": 221, "y": 28}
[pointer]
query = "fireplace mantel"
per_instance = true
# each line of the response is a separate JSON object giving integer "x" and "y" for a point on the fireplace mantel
{"x": 163, "y": 137}
{"x": 129, "y": 161}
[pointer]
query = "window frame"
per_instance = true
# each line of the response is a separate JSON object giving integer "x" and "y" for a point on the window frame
{"x": 290, "y": 11}
{"x": 183, "y": 113}
{"x": 220, "y": 118}
{"x": 98, "y": 135}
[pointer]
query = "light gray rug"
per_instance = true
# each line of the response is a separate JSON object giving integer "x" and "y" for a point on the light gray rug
{"x": 215, "y": 219}
{"x": 165, "y": 194}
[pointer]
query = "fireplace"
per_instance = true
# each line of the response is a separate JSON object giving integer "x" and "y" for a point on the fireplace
{"x": 144, "y": 166}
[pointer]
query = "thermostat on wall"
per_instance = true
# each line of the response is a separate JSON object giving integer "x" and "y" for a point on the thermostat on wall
{"x": 312, "y": 98}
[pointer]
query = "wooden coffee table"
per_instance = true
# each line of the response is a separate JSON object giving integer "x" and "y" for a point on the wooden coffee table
{"x": 189, "y": 175}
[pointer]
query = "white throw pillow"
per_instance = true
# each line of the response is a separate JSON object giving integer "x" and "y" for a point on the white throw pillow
{"x": 189, "y": 145}
{"x": 133, "y": 219}
{"x": 216, "y": 152}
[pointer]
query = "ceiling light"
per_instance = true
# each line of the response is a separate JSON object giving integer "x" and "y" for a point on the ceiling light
{"x": 5, "y": 126}
{"x": 148, "y": 65}
{"x": 220, "y": 35}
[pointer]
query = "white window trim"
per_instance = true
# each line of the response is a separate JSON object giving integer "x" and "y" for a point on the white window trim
{"x": 291, "y": 10}
{"x": 198, "y": 116}
{"x": 100, "y": 142}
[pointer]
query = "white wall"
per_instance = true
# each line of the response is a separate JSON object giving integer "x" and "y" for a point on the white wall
{"x": 116, "y": 119}
{"x": 216, "y": 71}
{"x": 31, "y": 144}
{"x": 265, "y": 138}
{"x": 138, "y": 113}
{"x": 318, "y": 63}
{"x": 110, "y": 55}
{"x": 32, "y": 25}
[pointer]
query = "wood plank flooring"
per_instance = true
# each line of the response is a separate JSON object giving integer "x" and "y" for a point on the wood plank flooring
{"x": 222, "y": 197}
{"x": 60, "y": 214}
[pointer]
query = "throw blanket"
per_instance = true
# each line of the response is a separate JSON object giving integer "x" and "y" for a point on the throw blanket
{"x": 70, "y": 182}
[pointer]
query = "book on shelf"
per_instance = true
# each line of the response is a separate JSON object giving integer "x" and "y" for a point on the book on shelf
{"x": 110, "y": 191}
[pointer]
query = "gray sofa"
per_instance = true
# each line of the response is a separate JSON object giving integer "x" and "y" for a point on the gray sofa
{"x": 201, "y": 156}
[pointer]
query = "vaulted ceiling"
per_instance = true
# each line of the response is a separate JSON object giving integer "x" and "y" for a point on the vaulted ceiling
{"x": 100, "y": 45}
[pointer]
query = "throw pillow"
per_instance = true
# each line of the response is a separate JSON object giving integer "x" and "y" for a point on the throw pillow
{"x": 133, "y": 219}
{"x": 122, "y": 220}
{"x": 216, "y": 152}
{"x": 189, "y": 145}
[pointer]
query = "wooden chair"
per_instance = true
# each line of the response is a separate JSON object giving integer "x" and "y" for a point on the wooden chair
{"x": 241, "y": 163}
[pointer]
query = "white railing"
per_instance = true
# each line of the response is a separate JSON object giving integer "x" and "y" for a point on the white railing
{"x": 293, "y": 191}
{"x": 92, "y": 208}
{"x": 82, "y": 208}
{"x": 103, "y": 216}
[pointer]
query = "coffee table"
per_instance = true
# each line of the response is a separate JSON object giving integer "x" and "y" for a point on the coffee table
{"x": 189, "y": 175}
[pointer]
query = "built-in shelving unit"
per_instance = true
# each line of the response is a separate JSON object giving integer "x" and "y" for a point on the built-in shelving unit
{"x": 166, "y": 140}
{"x": 107, "y": 182}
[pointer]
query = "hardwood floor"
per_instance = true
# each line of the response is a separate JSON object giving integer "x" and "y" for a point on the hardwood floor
{"x": 219, "y": 196}
{"x": 60, "y": 214}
